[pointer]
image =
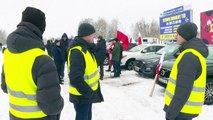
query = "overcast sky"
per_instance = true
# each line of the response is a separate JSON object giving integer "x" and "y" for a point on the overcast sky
{"x": 65, "y": 15}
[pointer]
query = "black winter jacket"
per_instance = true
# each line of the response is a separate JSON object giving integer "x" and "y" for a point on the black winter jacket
{"x": 189, "y": 69}
{"x": 26, "y": 37}
{"x": 64, "y": 45}
{"x": 101, "y": 51}
{"x": 58, "y": 55}
{"x": 77, "y": 69}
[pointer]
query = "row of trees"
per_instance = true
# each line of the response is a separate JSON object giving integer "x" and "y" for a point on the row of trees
{"x": 108, "y": 29}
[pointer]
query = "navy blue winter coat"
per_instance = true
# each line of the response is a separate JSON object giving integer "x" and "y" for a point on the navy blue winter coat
{"x": 101, "y": 51}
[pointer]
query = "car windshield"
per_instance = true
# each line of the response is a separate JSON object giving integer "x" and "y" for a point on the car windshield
{"x": 210, "y": 56}
{"x": 169, "y": 49}
{"x": 137, "y": 48}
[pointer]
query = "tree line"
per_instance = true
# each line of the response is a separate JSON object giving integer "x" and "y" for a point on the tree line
{"x": 108, "y": 29}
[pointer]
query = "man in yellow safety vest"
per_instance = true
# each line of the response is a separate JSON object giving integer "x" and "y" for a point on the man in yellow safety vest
{"x": 83, "y": 73}
{"x": 184, "y": 95}
{"x": 29, "y": 75}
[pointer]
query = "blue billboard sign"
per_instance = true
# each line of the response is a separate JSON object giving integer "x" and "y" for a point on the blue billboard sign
{"x": 169, "y": 24}
{"x": 173, "y": 11}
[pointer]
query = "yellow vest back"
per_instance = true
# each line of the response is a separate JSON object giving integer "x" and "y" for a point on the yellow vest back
{"x": 20, "y": 84}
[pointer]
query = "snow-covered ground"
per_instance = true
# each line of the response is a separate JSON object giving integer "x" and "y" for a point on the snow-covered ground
{"x": 125, "y": 98}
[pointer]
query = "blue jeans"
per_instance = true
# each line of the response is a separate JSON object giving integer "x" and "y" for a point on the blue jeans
{"x": 83, "y": 111}
{"x": 116, "y": 68}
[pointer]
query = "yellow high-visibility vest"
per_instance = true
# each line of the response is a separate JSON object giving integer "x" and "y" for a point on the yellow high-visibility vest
{"x": 20, "y": 84}
{"x": 196, "y": 98}
{"x": 91, "y": 75}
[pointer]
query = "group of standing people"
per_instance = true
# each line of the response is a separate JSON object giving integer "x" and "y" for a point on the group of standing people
{"x": 30, "y": 76}
{"x": 58, "y": 51}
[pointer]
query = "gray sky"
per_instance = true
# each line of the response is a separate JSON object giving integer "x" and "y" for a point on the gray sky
{"x": 65, "y": 15}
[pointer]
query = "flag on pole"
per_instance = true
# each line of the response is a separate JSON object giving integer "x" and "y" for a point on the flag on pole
{"x": 157, "y": 74}
{"x": 140, "y": 39}
{"x": 123, "y": 36}
{"x": 160, "y": 64}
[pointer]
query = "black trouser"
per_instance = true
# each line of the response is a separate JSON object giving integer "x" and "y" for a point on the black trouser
{"x": 101, "y": 70}
{"x": 60, "y": 70}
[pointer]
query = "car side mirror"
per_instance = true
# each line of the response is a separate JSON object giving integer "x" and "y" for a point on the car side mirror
{"x": 144, "y": 51}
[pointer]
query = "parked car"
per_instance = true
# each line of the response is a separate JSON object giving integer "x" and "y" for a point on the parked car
{"x": 167, "y": 66}
{"x": 146, "y": 64}
{"x": 130, "y": 55}
{"x": 106, "y": 61}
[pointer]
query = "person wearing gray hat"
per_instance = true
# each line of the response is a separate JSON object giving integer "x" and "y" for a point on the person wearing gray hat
{"x": 29, "y": 75}
{"x": 184, "y": 95}
{"x": 83, "y": 73}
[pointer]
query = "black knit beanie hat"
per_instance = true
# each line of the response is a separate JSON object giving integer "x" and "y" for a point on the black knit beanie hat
{"x": 187, "y": 30}
{"x": 34, "y": 16}
{"x": 85, "y": 29}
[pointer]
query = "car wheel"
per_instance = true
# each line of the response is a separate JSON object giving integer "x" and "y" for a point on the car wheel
{"x": 209, "y": 93}
{"x": 106, "y": 60}
{"x": 130, "y": 65}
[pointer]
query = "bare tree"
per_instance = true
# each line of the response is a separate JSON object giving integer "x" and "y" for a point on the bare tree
{"x": 87, "y": 20}
{"x": 3, "y": 36}
{"x": 154, "y": 29}
{"x": 146, "y": 29}
{"x": 112, "y": 27}
{"x": 141, "y": 27}
{"x": 101, "y": 27}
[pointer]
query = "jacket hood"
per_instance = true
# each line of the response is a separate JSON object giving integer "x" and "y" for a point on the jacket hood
{"x": 25, "y": 37}
{"x": 64, "y": 35}
{"x": 197, "y": 44}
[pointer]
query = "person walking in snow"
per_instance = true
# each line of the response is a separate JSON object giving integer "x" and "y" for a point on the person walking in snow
{"x": 116, "y": 57}
{"x": 58, "y": 58}
{"x": 101, "y": 54}
{"x": 64, "y": 48}
{"x": 83, "y": 73}
{"x": 185, "y": 91}
{"x": 29, "y": 75}
{"x": 64, "y": 45}
{"x": 110, "y": 56}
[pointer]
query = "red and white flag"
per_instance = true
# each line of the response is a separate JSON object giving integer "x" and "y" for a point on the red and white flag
{"x": 123, "y": 36}
{"x": 157, "y": 74}
{"x": 160, "y": 64}
{"x": 140, "y": 39}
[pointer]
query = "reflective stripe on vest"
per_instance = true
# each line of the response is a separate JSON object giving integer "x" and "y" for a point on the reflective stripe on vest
{"x": 20, "y": 83}
{"x": 91, "y": 75}
{"x": 196, "y": 98}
